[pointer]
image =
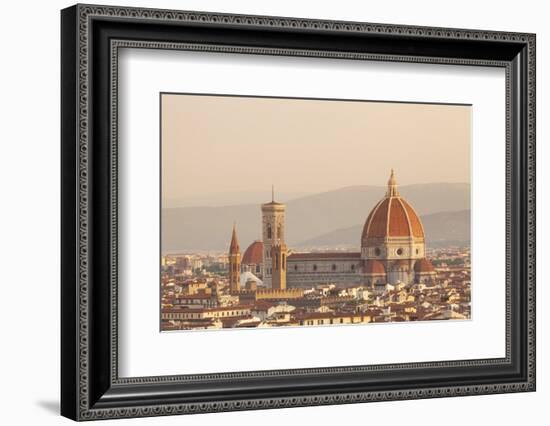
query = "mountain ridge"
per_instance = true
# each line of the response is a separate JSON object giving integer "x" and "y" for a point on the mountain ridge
{"x": 443, "y": 227}
{"x": 307, "y": 217}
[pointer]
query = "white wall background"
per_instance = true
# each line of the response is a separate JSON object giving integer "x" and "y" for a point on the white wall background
{"x": 29, "y": 214}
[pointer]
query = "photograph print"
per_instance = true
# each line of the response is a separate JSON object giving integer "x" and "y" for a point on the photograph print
{"x": 297, "y": 212}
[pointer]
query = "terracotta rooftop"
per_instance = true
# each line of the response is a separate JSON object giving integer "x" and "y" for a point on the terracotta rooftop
{"x": 423, "y": 265}
{"x": 254, "y": 254}
{"x": 194, "y": 296}
{"x": 392, "y": 217}
{"x": 374, "y": 267}
{"x": 202, "y": 310}
{"x": 324, "y": 315}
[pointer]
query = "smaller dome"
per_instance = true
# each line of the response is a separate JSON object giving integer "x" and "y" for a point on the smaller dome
{"x": 423, "y": 265}
{"x": 253, "y": 255}
{"x": 374, "y": 267}
{"x": 400, "y": 265}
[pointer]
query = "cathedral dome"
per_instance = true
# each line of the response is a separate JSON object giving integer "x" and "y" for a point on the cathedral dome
{"x": 253, "y": 255}
{"x": 374, "y": 267}
{"x": 392, "y": 217}
{"x": 423, "y": 265}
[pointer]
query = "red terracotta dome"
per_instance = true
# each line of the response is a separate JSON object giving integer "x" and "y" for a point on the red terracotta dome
{"x": 374, "y": 267}
{"x": 392, "y": 217}
{"x": 423, "y": 265}
{"x": 254, "y": 254}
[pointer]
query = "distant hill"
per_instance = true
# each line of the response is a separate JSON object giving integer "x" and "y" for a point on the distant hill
{"x": 229, "y": 199}
{"x": 440, "y": 229}
{"x": 307, "y": 218}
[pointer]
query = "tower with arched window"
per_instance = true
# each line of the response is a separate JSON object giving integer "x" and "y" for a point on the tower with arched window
{"x": 273, "y": 235}
{"x": 279, "y": 255}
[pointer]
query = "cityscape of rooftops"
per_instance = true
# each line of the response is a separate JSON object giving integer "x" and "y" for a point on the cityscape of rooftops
{"x": 394, "y": 277}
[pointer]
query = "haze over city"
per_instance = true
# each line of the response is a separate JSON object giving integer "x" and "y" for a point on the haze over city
{"x": 219, "y": 150}
{"x": 352, "y": 245}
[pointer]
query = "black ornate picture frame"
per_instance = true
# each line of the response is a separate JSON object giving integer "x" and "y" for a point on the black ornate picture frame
{"x": 90, "y": 39}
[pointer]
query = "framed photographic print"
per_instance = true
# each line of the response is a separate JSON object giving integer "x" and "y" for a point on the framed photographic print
{"x": 263, "y": 212}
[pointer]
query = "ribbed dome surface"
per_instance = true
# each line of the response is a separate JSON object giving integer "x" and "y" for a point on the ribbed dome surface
{"x": 392, "y": 217}
{"x": 253, "y": 255}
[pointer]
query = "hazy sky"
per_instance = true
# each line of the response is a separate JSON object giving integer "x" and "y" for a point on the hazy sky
{"x": 215, "y": 145}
